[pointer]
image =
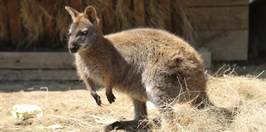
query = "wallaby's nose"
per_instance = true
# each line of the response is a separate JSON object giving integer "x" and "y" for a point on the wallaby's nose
{"x": 74, "y": 48}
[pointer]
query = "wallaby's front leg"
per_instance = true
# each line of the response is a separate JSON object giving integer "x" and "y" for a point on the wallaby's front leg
{"x": 109, "y": 94}
{"x": 108, "y": 86}
{"x": 96, "y": 97}
{"x": 90, "y": 84}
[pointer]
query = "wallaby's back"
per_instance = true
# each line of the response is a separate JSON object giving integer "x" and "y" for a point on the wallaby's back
{"x": 151, "y": 51}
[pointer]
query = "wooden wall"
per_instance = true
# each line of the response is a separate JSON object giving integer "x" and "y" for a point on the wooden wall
{"x": 222, "y": 27}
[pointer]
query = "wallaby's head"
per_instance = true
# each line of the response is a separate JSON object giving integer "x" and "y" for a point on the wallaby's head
{"x": 84, "y": 29}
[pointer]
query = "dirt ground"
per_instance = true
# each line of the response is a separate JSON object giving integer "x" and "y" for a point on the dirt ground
{"x": 76, "y": 111}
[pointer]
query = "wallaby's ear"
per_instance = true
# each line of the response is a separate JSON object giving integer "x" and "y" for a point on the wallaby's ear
{"x": 91, "y": 14}
{"x": 73, "y": 13}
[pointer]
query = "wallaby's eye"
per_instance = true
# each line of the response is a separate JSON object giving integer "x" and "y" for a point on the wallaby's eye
{"x": 85, "y": 32}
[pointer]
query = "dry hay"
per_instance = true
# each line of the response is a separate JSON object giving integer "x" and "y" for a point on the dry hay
{"x": 45, "y": 23}
{"x": 154, "y": 15}
{"x": 3, "y": 23}
{"x": 248, "y": 94}
{"x": 245, "y": 96}
{"x": 61, "y": 20}
{"x": 124, "y": 15}
{"x": 31, "y": 15}
{"x": 184, "y": 21}
{"x": 77, "y": 111}
{"x": 107, "y": 17}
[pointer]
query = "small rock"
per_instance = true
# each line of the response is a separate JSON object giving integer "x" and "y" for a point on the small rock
{"x": 26, "y": 111}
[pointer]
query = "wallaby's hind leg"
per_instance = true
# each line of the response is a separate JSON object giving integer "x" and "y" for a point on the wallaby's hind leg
{"x": 140, "y": 109}
{"x": 140, "y": 114}
{"x": 164, "y": 103}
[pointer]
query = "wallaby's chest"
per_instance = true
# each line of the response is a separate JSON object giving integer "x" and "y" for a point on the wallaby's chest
{"x": 90, "y": 69}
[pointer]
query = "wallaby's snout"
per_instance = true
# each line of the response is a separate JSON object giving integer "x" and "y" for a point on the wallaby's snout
{"x": 73, "y": 48}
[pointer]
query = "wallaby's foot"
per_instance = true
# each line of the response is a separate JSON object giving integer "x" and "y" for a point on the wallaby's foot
{"x": 129, "y": 126}
{"x": 97, "y": 98}
{"x": 229, "y": 115}
{"x": 110, "y": 96}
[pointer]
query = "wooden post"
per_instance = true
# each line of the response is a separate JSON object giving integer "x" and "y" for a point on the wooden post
{"x": 14, "y": 21}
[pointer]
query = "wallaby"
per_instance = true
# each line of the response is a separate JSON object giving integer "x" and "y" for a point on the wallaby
{"x": 146, "y": 64}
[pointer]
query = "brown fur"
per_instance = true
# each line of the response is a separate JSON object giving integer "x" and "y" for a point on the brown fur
{"x": 146, "y": 64}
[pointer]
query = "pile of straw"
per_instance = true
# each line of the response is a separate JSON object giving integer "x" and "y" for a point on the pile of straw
{"x": 3, "y": 25}
{"x": 44, "y": 24}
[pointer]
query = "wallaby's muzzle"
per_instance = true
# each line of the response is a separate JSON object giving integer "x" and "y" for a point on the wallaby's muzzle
{"x": 74, "y": 48}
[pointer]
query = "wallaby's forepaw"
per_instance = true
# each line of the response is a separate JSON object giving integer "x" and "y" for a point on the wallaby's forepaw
{"x": 97, "y": 98}
{"x": 110, "y": 97}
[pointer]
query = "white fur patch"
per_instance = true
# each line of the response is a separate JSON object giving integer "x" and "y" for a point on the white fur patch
{"x": 148, "y": 88}
{"x": 150, "y": 105}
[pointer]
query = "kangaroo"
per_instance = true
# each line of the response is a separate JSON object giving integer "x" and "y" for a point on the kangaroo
{"x": 146, "y": 64}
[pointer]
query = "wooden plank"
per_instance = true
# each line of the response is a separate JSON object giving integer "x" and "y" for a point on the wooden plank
{"x": 205, "y": 3}
{"x": 14, "y": 21}
{"x": 225, "y": 45}
{"x": 33, "y": 60}
{"x": 11, "y": 86}
{"x": 221, "y": 18}
{"x": 38, "y": 75}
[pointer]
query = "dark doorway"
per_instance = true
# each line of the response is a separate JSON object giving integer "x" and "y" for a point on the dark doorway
{"x": 257, "y": 30}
